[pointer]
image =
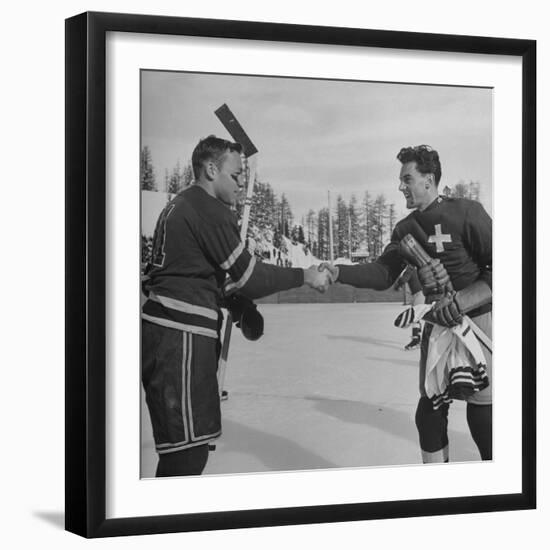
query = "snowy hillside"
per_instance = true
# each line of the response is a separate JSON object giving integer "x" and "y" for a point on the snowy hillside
{"x": 289, "y": 253}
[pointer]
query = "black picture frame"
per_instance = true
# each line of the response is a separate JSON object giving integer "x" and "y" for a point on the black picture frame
{"x": 86, "y": 284}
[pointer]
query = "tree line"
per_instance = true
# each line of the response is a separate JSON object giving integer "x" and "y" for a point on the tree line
{"x": 175, "y": 180}
{"x": 357, "y": 226}
{"x": 361, "y": 227}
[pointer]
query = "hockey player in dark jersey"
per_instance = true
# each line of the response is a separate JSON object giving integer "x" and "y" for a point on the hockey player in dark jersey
{"x": 196, "y": 244}
{"x": 457, "y": 234}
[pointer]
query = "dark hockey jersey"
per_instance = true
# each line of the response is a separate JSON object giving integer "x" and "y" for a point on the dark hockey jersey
{"x": 457, "y": 231}
{"x": 196, "y": 244}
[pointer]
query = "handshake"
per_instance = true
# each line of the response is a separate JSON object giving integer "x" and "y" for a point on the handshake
{"x": 321, "y": 276}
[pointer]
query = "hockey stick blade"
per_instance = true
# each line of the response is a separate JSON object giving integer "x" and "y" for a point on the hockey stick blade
{"x": 232, "y": 125}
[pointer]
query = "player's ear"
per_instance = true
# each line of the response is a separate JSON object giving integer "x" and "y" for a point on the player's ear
{"x": 210, "y": 169}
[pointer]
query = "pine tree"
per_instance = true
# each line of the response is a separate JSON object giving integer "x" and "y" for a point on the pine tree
{"x": 311, "y": 227}
{"x": 342, "y": 228}
{"x": 270, "y": 206}
{"x": 147, "y": 175}
{"x": 286, "y": 216}
{"x": 391, "y": 218}
{"x": 322, "y": 235}
{"x": 379, "y": 215}
{"x": 353, "y": 212}
{"x": 187, "y": 175}
{"x": 315, "y": 249}
{"x": 294, "y": 234}
{"x": 369, "y": 224}
{"x": 301, "y": 236}
{"x": 297, "y": 234}
{"x": 277, "y": 214}
{"x": 175, "y": 180}
{"x": 256, "y": 210}
{"x": 179, "y": 178}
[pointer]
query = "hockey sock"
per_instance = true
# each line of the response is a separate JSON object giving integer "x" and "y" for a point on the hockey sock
{"x": 183, "y": 463}
{"x": 416, "y": 330}
{"x": 480, "y": 422}
{"x": 432, "y": 431}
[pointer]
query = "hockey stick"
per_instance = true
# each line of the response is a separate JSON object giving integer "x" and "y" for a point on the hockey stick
{"x": 231, "y": 124}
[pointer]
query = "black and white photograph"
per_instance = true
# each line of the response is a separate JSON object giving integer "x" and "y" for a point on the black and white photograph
{"x": 283, "y": 332}
{"x": 281, "y": 244}
{"x": 316, "y": 273}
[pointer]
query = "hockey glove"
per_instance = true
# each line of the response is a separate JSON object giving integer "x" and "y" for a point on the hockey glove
{"x": 434, "y": 278}
{"x": 445, "y": 311}
{"x": 246, "y": 316}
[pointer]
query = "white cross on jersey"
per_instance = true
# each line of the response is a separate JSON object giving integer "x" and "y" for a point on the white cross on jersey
{"x": 439, "y": 238}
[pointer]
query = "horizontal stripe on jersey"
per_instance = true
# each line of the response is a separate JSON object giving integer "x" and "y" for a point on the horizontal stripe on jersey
{"x": 179, "y": 326}
{"x": 185, "y": 307}
{"x": 162, "y": 314}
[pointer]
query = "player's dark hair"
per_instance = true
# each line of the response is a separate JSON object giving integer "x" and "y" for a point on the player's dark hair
{"x": 212, "y": 148}
{"x": 426, "y": 159}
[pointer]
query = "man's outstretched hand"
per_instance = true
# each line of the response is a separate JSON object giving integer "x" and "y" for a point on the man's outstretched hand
{"x": 331, "y": 269}
{"x": 317, "y": 278}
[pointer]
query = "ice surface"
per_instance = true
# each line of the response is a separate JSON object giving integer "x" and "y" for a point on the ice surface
{"x": 327, "y": 386}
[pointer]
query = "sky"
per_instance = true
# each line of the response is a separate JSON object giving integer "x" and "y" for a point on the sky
{"x": 316, "y": 136}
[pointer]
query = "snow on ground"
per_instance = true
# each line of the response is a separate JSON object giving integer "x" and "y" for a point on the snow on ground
{"x": 327, "y": 386}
